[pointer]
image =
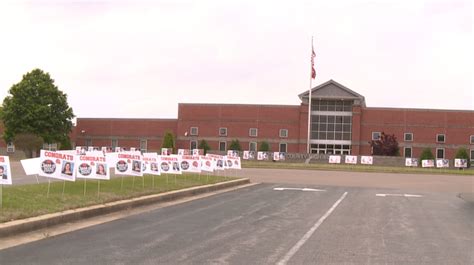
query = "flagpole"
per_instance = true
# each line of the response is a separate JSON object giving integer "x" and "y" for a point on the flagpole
{"x": 308, "y": 149}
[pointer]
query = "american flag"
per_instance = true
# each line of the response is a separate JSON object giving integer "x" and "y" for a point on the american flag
{"x": 313, "y": 71}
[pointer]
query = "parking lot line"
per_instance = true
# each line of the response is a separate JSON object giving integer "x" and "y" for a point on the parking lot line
{"x": 310, "y": 232}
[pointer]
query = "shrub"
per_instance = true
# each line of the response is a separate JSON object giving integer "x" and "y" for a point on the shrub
{"x": 426, "y": 154}
{"x": 463, "y": 154}
{"x": 168, "y": 141}
{"x": 204, "y": 146}
{"x": 235, "y": 145}
{"x": 264, "y": 147}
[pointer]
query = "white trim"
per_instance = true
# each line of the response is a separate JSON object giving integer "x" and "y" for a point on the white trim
{"x": 471, "y": 154}
{"x": 331, "y": 113}
{"x": 191, "y": 144}
{"x": 405, "y": 152}
{"x": 250, "y": 146}
{"x": 286, "y": 147}
{"x": 222, "y": 128}
{"x": 225, "y": 145}
{"x": 10, "y": 147}
{"x": 343, "y": 142}
{"x": 405, "y": 137}
{"x": 372, "y": 137}
{"x": 256, "y": 132}
{"x": 444, "y": 153}
{"x": 280, "y": 134}
{"x": 191, "y": 131}
{"x": 471, "y": 139}
{"x": 146, "y": 145}
{"x": 444, "y": 136}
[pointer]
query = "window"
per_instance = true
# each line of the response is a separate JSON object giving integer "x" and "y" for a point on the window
{"x": 375, "y": 136}
{"x": 222, "y": 131}
{"x": 407, "y": 152}
{"x": 50, "y": 147}
{"x": 194, "y": 131}
{"x": 88, "y": 142}
{"x": 114, "y": 144}
{"x": 193, "y": 144}
{"x": 283, "y": 147}
{"x": 439, "y": 153}
{"x": 10, "y": 147}
{"x": 222, "y": 146}
{"x": 440, "y": 138}
{"x": 283, "y": 133}
{"x": 471, "y": 140}
{"x": 408, "y": 137}
{"x": 472, "y": 155}
{"x": 143, "y": 145}
{"x": 253, "y": 132}
{"x": 252, "y": 146}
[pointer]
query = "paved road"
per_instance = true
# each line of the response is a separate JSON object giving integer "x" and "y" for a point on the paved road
{"x": 258, "y": 225}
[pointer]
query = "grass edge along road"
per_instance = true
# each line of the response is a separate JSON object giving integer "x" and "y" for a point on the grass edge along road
{"x": 31, "y": 200}
{"x": 358, "y": 168}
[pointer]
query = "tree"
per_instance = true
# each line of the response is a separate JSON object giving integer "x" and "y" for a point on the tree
{"x": 168, "y": 141}
{"x": 204, "y": 146}
{"x": 235, "y": 145}
{"x": 426, "y": 154}
{"x": 462, "y": 153}
{"x": 28, "y": 143}
{"x": 36, "y": 106}
{"x": 264, "y": 146}
{"x": 386, "y": 145}
{"x": 65, "y": 144}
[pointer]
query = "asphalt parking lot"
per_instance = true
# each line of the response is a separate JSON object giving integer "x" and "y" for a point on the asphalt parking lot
{"x": 276, "y": 224}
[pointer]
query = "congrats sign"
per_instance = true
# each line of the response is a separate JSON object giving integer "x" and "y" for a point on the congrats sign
{"x": 191, "y": 164}
{"x": 170, "y": 164}
{"x": 57, "y": 165}
{"x": 129, "y": 164}
{"x": 151, "y": 164}
{"x": 5, "y": 172}
{"x": 92, "y": 167}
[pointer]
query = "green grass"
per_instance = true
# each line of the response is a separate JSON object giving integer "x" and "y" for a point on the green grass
{"x": 24, "y": 201}
{"x": 358, "y": 168}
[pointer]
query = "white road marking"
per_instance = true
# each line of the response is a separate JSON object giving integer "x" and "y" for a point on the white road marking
{"x": 398, "y": 195}
{"x": 308, "y": 234}
{"x": 301, "y": 189}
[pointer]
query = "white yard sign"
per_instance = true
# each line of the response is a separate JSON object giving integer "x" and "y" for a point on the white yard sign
{"x": 57, "y": 165}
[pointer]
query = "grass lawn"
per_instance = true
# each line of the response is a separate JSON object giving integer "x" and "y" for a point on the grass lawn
{"x": 24, "y": 201}
{"x": 359, "y": 168}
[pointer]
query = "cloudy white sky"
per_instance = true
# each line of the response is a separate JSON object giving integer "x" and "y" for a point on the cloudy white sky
{"x": 141, "y": 58}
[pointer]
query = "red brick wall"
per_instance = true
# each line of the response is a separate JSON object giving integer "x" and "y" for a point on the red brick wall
{"x": 424, "y": 124}
{"x": 127, "y": 131}
{"x": 238, "y": 119}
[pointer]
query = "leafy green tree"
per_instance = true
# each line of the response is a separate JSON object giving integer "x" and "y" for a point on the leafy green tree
{"x": 386, "y": 145}
{"x": 28, "y": 143}
{"x": 36, "y": 106}
{"x": 235, "y": 145}
{"x": 264, "y": 146}
{"x": 204, "y": 146}
{"x": 426, "y": 154}
{"x": 65, "y": 144}
{"x": 462, "y": 153}
{"x": 168, "y": 141}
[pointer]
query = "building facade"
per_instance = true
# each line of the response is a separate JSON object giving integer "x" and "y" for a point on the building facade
{"x": 341, "y": 123}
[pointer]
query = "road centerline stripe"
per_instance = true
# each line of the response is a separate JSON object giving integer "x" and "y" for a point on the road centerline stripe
{"x": 310, "y": 232}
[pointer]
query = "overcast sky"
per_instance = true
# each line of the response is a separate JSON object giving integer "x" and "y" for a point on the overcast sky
{"x": 141, "y": 58}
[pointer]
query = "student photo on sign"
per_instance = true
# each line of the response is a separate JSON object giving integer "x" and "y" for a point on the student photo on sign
{"x": 175, "y": 166}
{"x": 67, "y": 168}
{"x": 3, "y": 172}
{"x": 101, "y": 170}
{"x": 154, "y": 167}
{"x": 136, "y": 166}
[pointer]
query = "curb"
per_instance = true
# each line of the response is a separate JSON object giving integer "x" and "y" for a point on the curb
{"x": 34, "y": 223}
